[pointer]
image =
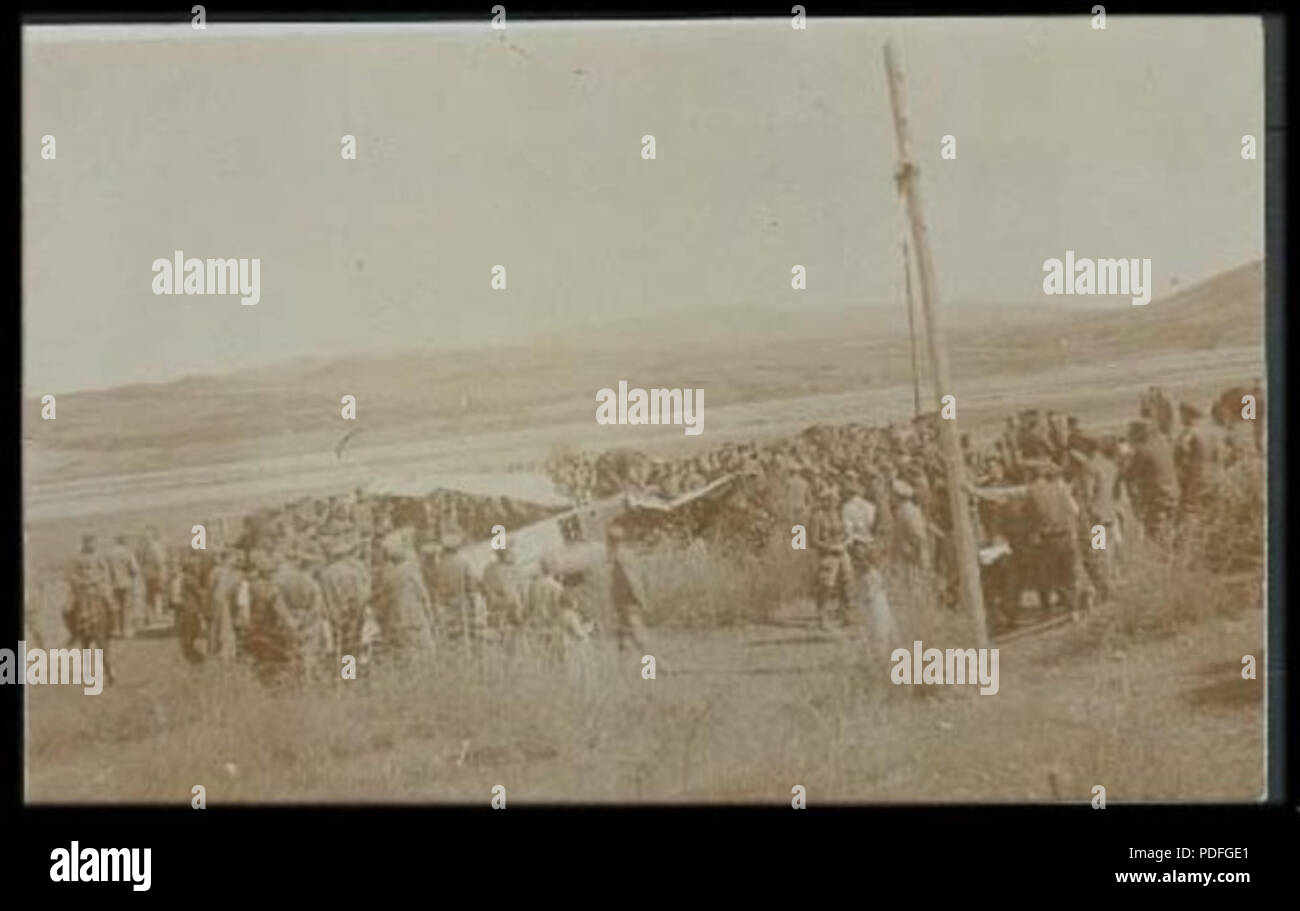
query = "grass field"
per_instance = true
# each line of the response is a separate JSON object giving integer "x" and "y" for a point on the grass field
{"x": 1145, "y": 698}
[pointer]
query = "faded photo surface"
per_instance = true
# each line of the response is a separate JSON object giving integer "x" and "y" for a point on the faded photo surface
{"x": 787, "y": 412}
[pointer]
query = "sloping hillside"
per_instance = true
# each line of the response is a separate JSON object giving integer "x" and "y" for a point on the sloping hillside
{"x": 295, "y": 407}
{"x": 1222, "y": 312}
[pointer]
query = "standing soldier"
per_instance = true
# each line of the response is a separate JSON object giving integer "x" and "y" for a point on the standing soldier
{"x": 123, "y": 570}
{"x": 453, "y": 590}
{"x": 833, "y": 567}
{"x": 869, "y": 593}
{"x": 191, "y": 603}
{"x": 536, "y": 622}
{"x": 345, "y": 585}
{"x": 1152, "y": 479}
{"x": 554, "y": 627}
{"x": 1010, "y": 440}
{"x": 153, "y": 562}
{"x": 1098, "y": 483}
{"x": 1073, "y": 433}
{"x": 428, "y": 548}
{"x": 89, "y": 615}
{"x": 795, "y": 498}
{"x": 1052, "y": 517}
{"x": 858, "y": 513}
{"x": 1032, "y": 442}
{"x": 501, "y": 592}
{"x": 913, "y": 528}
{"x": 404, "y": 612}
{"x": 1056, "y": 434}
{"x": 225, "y": 611}
{"x": 627, "y": 596}
{"x": 298, "y": 613}
{"x": 1198, "y": 458}
{"x": 266, "y": 630}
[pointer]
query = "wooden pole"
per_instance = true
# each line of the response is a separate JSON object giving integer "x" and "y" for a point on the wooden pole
{"x": 911, "y": 331}
{"x": 963, "y": 543}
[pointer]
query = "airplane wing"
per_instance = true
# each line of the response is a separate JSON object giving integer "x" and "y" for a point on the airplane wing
{"x": 546, "y": 537}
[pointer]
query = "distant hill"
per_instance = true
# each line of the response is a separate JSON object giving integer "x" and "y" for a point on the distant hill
{"x": 1224, "y": 311}
{"x": 744, "y": 356}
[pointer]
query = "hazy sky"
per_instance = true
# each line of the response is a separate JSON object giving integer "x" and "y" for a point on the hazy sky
{"x": 475, "y": 147}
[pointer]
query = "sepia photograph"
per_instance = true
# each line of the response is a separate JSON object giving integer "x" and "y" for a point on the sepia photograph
{"x": 504, "y": 412}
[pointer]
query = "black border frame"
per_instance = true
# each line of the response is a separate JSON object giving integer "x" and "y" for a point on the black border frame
{"x": 284, "y": 849}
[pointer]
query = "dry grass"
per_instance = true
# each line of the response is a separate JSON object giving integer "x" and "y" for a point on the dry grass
{"x": 747, "y": 703}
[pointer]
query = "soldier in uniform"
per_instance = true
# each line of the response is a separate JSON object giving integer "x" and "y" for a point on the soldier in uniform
{"x": 833, "y": 568}
{"x": 454, "y": 589}
{"x": 1198, "y": 457}
{"x": 501, "y": 591}
{"x": 1052, "y": 517}
{"x": 191, "y": 603}
{"x": 554, "y": 627}
{"x": 536, "y": 620}
{"x": 263, "y": 639}
{"x": 89, "y": 614}
{"x": 627, "y": 596}
{"x": 1033, "y": 443}
{"x": 404, "y": 611}
{"x": 346, "y": 586}
{"x": 1011, "y": 439}
{"x": 123, "y": 570}
{"x": 869, "y": 594}
{"x": 1073, "y": 433}
{"x": 225, "y": 611}
{"x": 1099, "y": 482}
{"x": 858, "y": 513}
{"x": 1152, "y": 479}
{"x": 1056, "y": 434}
{"x": 915, "y": 542}
{"x": 154, "y": 565}
{"x": 299, "y": 611}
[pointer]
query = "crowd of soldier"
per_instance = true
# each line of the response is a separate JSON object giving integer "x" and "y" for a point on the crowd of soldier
{"x": 307, "y": 583}
{"x": 871, "y": 495}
